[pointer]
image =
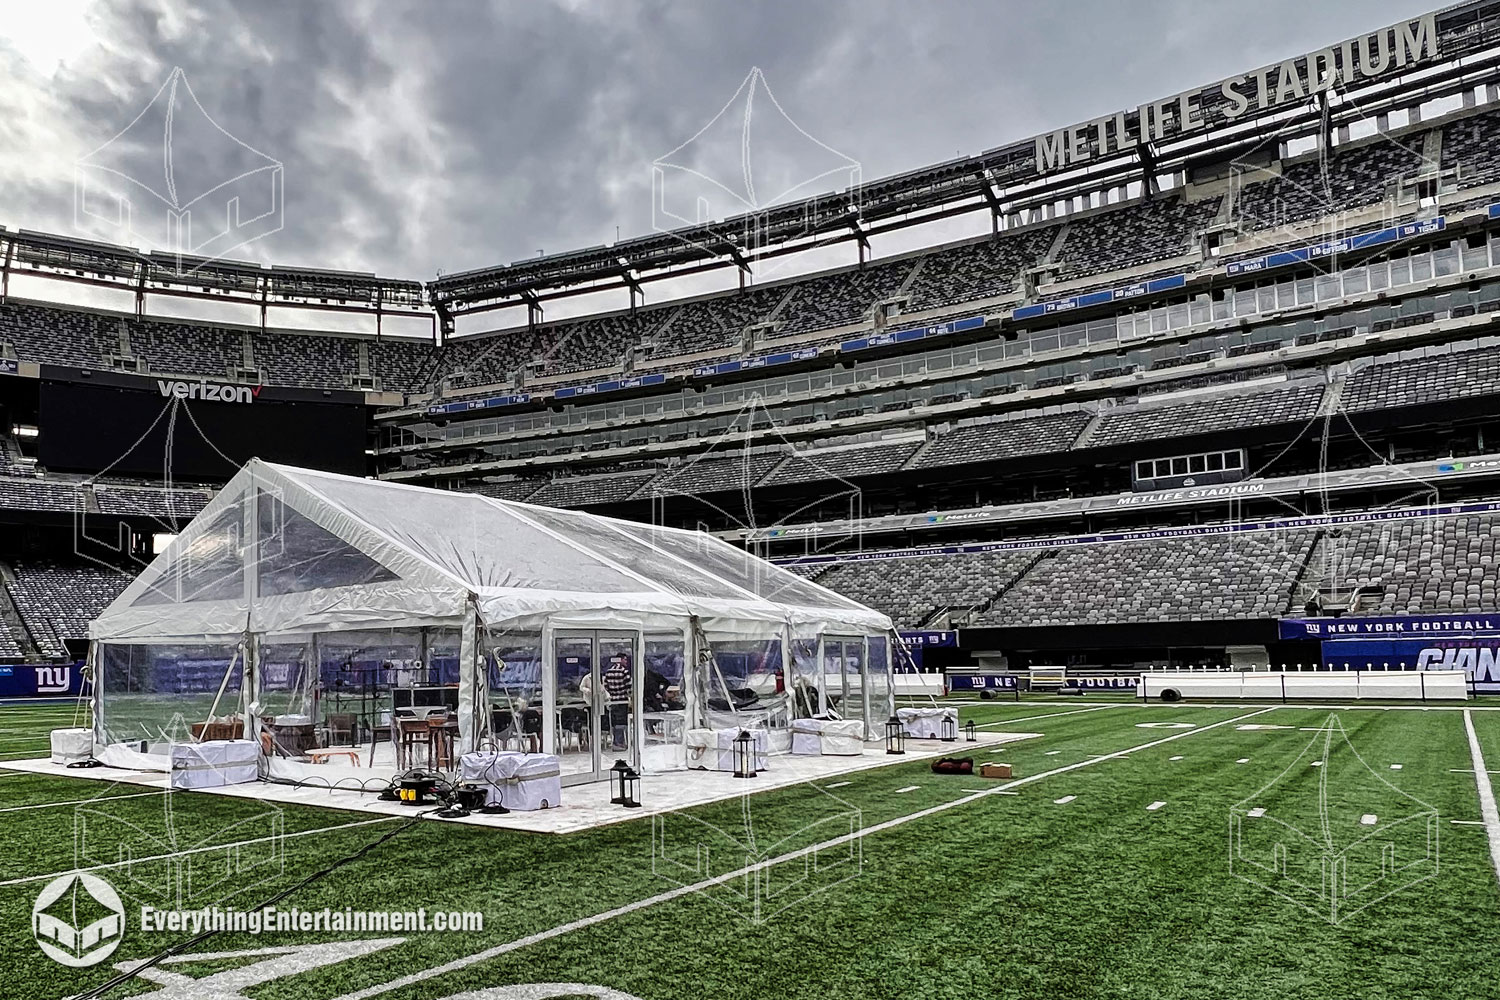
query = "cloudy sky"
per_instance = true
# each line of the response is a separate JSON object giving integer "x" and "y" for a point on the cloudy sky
{"x": 451, "y": 134}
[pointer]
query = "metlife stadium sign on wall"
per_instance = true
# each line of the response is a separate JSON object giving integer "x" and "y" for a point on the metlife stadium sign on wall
{"x": 1470, "y": 643}
{"x": 1363, "y": 59}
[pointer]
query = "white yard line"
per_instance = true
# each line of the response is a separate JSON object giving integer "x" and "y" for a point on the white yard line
{"x": 908, "y": 788}
{"x": 687, "y": 890}
{"x": 1487, "y": 809}
{"x": 199, "y": 850}
{"x": 1154, "y": 806}
{"x": 80, "y": 802}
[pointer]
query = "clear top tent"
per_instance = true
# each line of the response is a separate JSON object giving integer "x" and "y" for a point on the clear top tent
{"x": 307, "y": 602}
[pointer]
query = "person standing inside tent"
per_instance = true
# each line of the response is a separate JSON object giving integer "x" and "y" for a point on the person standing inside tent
{"x": 617, "y": 689}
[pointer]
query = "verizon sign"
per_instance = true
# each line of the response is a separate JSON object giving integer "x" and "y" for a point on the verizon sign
{"x": 212, "y": 392}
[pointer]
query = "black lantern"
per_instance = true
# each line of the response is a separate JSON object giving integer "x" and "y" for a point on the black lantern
{"x": 744, "y": 755}
{"x": 617, "y": 782}
{"x": 950, "y": 728}
{"x": 625, "y": 783}
{"x": 971, "y": 732}
{"x": 895, "y": 736}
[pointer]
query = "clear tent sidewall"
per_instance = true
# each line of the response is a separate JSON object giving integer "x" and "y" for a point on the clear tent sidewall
{"x": 861, "y": 679}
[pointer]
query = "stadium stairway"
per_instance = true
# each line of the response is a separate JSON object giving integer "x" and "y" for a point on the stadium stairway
{"x": 1300, "y": 592}
{"x": 916, "y": 456}
{"x": 1087, "y": 434}
{"x": 979, "y": 610}
{"x": 911, "y": 277}
{"x": 10, "y": 618}
{"x": 1333, "y": 396}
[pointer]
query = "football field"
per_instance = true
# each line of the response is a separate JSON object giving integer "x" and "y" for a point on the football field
{"x": 1188, "y": 851}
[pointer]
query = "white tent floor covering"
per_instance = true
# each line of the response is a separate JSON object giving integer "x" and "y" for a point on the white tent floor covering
{"x": 584, "y": 806}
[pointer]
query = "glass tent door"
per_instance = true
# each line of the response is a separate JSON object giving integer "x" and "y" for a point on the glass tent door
{"x": 844, "y": 681}
{"x": 597, "y": 690}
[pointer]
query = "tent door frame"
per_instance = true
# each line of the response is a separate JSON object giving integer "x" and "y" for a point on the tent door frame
{"x": 854, "y": 696}
{"x": 596, "y": 728}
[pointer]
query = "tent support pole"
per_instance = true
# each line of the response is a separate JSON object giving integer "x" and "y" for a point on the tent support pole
{"x": 549, "y": 689}
{"x": 468, "y": 676}
{"x": 250, "y": 687}
{"x": 224, "y": 681}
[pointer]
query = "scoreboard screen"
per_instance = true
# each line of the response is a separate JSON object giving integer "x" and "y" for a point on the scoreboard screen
{"x": 193, "y": 430}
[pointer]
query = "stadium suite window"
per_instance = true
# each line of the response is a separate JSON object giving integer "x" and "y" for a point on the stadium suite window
{"x": 1445, "y": 261}
{"x": 1244, "y": 301}
{"x": 1421, "y": 267}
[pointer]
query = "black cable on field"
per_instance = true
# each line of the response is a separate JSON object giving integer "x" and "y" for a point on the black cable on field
{"x": 176, "y": 949}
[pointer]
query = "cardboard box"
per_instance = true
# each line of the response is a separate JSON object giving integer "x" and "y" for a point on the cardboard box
{"x": 992, "y": 770}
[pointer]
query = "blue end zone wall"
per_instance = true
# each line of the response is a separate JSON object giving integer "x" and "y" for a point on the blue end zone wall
{"x": 47, "y": 681}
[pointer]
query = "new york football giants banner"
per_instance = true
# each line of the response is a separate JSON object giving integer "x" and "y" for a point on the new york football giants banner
{"x": 1350, "y": 627}
{"x": 54, "y": 681}
{"x": 973, "y": 681}
{"x": 1470, "y": 643}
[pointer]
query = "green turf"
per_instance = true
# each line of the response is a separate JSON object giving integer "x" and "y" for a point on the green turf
{"x": 1010, "y": 896}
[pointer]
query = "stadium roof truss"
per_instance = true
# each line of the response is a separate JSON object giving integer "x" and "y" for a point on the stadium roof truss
{"x": 111, "y": 266}
{"x": 1004, "y": 180}
{"x": 1464, "y": 52}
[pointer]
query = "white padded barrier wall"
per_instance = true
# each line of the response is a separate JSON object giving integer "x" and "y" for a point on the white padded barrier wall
{"x": 918, "y": 685}
{"x": 1264, "y": 685}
